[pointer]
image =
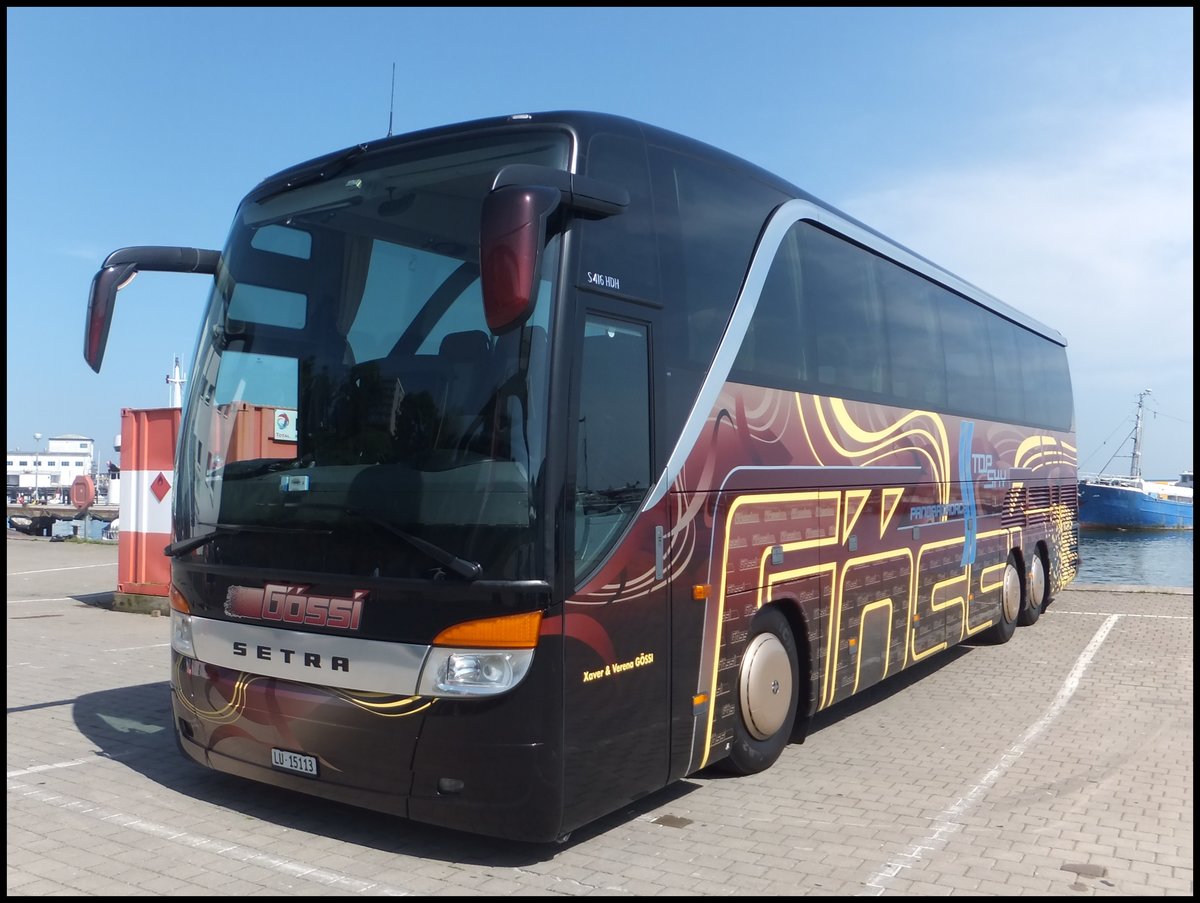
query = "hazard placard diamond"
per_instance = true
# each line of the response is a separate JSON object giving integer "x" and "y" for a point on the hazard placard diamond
{"x": 160, "y": 487}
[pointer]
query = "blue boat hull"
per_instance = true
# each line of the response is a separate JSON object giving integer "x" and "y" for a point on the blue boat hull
{"x": 1131, "y": 508}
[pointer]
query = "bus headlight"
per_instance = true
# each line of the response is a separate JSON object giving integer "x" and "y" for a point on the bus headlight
{"x": 473, "y": 672}
{"x": 181, "y": 634}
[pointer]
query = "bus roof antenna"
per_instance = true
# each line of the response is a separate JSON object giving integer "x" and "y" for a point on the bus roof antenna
{"x": 392, "y": 105}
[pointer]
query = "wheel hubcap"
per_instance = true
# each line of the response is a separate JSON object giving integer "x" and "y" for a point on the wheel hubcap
{"x": 765, "y": 685}
{"x": 1037, "y": 582}
{"x": 1012, "y": 592}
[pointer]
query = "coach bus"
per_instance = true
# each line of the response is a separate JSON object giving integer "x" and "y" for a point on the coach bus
{"x": 531, "y": 464}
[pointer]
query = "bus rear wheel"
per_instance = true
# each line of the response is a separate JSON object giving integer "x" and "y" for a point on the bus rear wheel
{"x": 1035, "y": 597}
{"x": 1012, "y": 594}
{"x": 768, "y": 693}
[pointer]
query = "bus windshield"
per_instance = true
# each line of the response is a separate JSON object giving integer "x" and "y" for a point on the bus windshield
{"x": 350, "y": 411}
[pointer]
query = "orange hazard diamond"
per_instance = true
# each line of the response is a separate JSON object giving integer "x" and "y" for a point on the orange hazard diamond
{"x": 160, "y": 487}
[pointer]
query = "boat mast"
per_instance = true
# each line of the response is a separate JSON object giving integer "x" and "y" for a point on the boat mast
{"x": 175, "y": 380}
{"x": 1135, "y": 461}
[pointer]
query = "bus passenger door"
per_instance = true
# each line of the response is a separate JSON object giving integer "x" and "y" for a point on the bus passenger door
{"x": 615, "y": 652}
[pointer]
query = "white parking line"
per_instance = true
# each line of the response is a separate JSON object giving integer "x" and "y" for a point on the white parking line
{"x": 1127, "y": 614}
{"x": 78, "y": 567}
{"x": 947, "y": 823}
{"x": 37, "y": 769}
{"x": 288, "y": 867}
{"x": 139, "y": 648}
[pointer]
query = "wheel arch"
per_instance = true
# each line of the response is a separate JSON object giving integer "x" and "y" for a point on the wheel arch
{"x": 1050, "y": 561}
{"x": 808, "y": 679}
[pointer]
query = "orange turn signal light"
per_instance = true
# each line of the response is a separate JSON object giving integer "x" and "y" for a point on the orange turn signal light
{"x": 178, "y": 602}
{"x": 508, "y": 632}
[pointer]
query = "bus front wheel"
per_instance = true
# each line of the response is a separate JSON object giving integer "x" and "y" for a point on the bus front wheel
{"x": 768, "y": 693}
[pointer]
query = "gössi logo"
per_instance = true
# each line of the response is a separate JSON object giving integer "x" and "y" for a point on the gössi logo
{"x": 293, "y": 604}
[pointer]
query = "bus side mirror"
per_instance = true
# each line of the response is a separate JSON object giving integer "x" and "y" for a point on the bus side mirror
{"x": 512, "y": 233}
{"x": 101, "y": 300}
{"x": 117, "y": 272}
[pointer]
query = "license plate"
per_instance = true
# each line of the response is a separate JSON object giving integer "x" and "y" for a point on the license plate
{"x": 297, "y": 762}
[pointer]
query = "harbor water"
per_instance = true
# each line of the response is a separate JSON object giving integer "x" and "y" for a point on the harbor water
{"x": 1136, "y": 558}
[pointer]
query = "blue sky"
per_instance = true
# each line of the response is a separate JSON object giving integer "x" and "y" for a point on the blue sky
{"x": 1043, "y": 154}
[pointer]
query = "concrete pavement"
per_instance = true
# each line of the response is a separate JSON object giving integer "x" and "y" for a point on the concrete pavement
{"x": 1060, "y": 764}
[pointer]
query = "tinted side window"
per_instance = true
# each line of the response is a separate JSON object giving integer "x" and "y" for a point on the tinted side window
{"x": 914, "y": 337}
{"x": 710, "y": 219}
{"x": 772, "y": 352}
{"x": 1060, "y": 403}
{"x": 970, "y": 385}
{"x": 845, "y": 314}
{"x": 715, "y": 218}
{"x": 624, "y": 247}
{"x": 838, "y": 319}
{"x": 612, "y": 470}
{"x": 1006, "y": 365}
{"x": 1045, "y": 380}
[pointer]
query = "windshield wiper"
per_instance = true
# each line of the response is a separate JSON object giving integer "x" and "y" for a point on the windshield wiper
{"x": 183, "y": 546}
{"x": 325, "y": 168}
{"x": 599, "y": 499}
{"x": 244, "y": 470}
{"x": 468, "y": 570}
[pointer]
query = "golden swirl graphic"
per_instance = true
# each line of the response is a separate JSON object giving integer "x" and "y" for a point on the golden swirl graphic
{"x": 929, "y": 440}
{"x": 386, "y": 705}
{"x": 1064, "y": 566}
{"x": 230, "y": 711}
{"x": 1037, "y": 452}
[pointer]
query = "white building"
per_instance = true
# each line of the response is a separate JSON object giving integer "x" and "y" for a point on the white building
{"x": 50, "y": 472}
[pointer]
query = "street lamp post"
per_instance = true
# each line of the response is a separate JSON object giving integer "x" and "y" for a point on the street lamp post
{"x": 37, "y": 469}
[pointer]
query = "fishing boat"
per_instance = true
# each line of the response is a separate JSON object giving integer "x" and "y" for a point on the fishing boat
{"x": 1131, "y": 502}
